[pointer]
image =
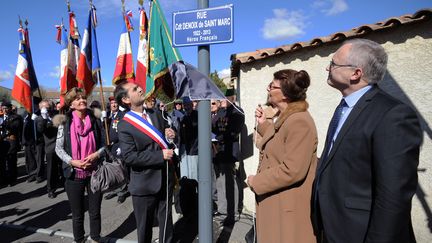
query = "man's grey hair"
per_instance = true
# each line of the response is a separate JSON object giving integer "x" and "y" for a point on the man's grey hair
{"x": 370, "y": 57}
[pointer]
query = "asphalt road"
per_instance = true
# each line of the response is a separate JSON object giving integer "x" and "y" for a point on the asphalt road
{"x": 28, "y": 215}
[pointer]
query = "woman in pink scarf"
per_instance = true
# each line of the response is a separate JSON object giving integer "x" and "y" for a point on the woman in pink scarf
{"x": 79, "y": 146}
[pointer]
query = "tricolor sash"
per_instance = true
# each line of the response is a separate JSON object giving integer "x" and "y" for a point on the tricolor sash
{"x": 144, "y": 126}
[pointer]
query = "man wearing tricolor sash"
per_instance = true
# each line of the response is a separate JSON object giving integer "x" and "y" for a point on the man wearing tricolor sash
{"x": 142, "y": 135}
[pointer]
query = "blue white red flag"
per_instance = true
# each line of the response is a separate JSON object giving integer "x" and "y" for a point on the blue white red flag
{"x": 141, "y": 70}
{"x": 89, "y": 64}
{"x": 62, "y": 39}
{"x": 124, "y": 68}
{"x": 128, "y": 21}
{"x": 73, "y": 26}
{"x": 25, "y": 81}
{"x": 72, "y": 53}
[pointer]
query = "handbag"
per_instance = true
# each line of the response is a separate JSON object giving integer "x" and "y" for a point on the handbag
{"x": 109, "y": 175}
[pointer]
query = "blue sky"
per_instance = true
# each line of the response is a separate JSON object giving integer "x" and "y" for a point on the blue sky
{"x": 257, "y": 25}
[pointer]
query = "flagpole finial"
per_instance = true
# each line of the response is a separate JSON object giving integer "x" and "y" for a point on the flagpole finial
{"x": 123, "y": 5}
{"x": 26, "y": 23}
{"x": 19, "y": 21}
{"x": 68, "y": 5}
{"x": 141, "y": 2}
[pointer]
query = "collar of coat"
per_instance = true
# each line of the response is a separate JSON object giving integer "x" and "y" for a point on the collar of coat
{"x": 294, "y": 107}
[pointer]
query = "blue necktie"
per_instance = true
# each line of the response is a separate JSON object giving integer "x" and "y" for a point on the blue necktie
{"x": 330, "y": 134}
{"x": 332, "y": 130}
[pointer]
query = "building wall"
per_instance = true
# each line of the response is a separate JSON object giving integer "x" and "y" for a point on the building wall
{"x": 410, "y": 65}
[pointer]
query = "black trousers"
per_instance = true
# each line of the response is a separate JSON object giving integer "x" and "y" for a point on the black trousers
{"x": 30, "y": 159}
{"x": 75, "y": 189}
{"x": 11, "y": 160}
{"x": 53, "y": 171}
{"x": 145, "y": 209}
{"x": 40, "y": 160}
{"x": 3, "y": 152}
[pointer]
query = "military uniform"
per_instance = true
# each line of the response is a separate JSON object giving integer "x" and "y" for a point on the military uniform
{"x": 10, "y": 139}
{"x": 227, "y": 125}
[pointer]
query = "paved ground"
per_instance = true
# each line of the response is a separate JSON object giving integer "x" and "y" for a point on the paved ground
{"x": 28, "y": 215}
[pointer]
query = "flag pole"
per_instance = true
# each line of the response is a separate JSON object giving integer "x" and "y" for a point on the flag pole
{"x": 30, "y": 56}
{"x": 127, "y": 29}
{"x": 107, "y": 138}
{"x": 31, "y": 92}
{"x": 103, "y": 107}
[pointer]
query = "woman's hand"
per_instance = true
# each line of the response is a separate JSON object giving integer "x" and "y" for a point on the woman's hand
{"x": 78, "y": 163}
{"x": 91, "y": 158}
{"x": 249, "y": 181}
{"x": 259, "y": 115}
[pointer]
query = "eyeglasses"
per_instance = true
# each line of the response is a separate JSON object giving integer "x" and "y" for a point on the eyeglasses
{"x": 333, "y": 64}
{"x": 271, "y": 86}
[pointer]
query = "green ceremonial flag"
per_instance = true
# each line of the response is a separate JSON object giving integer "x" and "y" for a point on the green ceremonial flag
{"x": 161, "y": 53}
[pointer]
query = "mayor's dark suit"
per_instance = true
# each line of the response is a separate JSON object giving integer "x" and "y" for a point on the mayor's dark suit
{"x": 364, "y": 188}
{"x": 148, "y": 171}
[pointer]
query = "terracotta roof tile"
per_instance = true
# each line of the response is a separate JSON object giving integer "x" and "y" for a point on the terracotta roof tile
{"x": 245, "y": 57}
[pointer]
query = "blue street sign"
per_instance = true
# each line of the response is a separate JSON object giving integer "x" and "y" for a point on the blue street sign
{"x": 203, "y": 26}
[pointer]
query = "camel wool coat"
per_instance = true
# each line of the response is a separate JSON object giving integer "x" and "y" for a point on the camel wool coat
{"x": 286, "y": 170}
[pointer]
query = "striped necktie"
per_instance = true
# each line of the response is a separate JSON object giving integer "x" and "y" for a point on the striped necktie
{"x": 332, "y": 130}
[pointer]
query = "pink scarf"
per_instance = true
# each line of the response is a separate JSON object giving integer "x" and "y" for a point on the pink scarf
{"x": 82, "y": 137}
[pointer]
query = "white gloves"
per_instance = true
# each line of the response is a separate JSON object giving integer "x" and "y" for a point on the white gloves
{"x": 104, "y": 115}
{"x": 33, "y": 116}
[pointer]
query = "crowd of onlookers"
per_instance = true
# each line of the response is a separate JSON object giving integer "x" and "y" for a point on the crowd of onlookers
{"x": 35, "y": 134}
{"x": 64, "y": 144}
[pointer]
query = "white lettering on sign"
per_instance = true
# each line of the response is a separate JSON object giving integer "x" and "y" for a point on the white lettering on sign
{"x": 204, "y": 25}
{"x": 202, "y": 15}
{"x": 209, "y": 23}
{"x": 189, "y": 25}
{"x": 224, "y": 21}
{"x": 192, "y": 39}
{"x": 208, "y": 38}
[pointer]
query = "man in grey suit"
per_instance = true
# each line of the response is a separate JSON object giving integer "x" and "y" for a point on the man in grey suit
{"x": 367, "y": 174}
{"x": 151, "y": 173}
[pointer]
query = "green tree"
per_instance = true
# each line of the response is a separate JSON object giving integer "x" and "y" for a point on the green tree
{"x": 218, "y": 81}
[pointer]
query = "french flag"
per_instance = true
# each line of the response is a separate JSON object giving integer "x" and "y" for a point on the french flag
{"x": 141, "y": 70}
{"x": 62, "y": 40}
{"x": 73, "y": 52}
{"x": 25, "y": 81}
{"x": 89, "y": 64}
{"x": 124, "y": 65}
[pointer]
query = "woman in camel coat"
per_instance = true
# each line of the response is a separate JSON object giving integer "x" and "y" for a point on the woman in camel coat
{"x": 287, "y": 162}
